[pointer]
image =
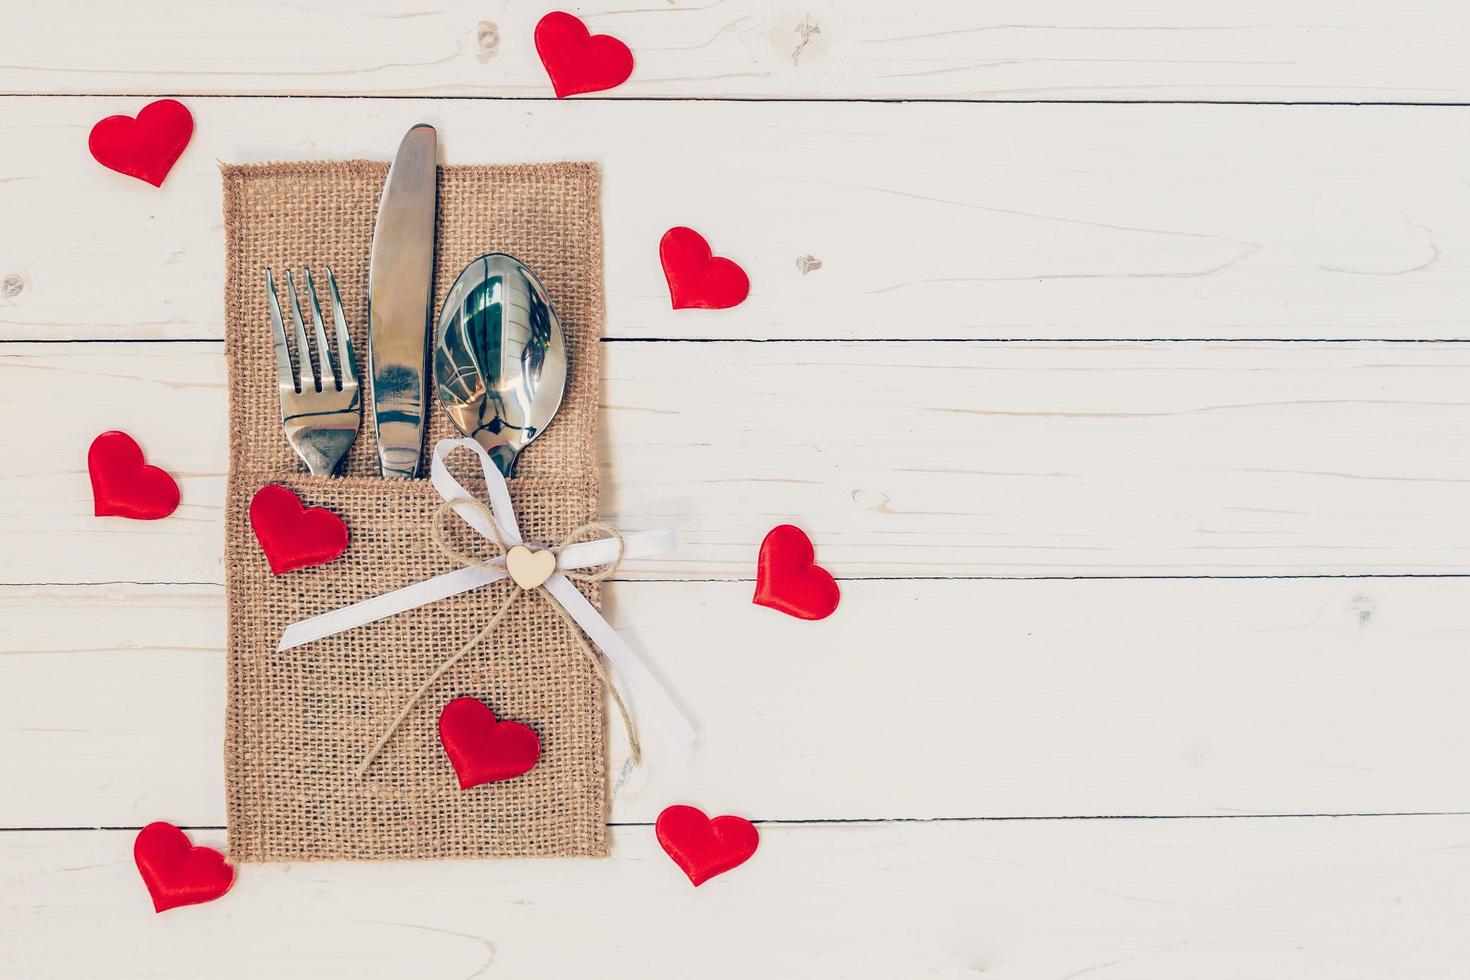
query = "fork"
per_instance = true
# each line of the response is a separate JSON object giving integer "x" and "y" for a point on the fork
{"x": 321, "y": 408}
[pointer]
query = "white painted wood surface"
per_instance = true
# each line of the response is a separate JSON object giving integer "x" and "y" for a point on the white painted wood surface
{"x": 989, "y": 409}
{"x": 1350, "y": 899}
{"x": 903, "y": 459}
{"x": 1245, "y": 50}
{"x": 921, "y": 700}
{"x": 930, "y": 221}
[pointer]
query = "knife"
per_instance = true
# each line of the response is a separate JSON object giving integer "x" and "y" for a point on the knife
{"x": 400, "y": 301}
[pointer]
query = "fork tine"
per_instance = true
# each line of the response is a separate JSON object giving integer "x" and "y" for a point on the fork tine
{"x": 304, "y": 370}
{"x": 323, "y": 352}
{"x": 346, "y": 363}
{"x": 278, "y": 331}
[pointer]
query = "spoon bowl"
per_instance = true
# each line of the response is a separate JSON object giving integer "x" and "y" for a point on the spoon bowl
{"x": 500, "y": 363}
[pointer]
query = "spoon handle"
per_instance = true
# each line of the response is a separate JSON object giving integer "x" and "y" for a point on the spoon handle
{"x": 502, "y": 455}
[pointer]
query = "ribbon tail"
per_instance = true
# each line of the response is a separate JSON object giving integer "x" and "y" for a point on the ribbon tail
{"x": 388, "y": 604}
{"x": 645, "y": 687}
{"x": 602, "y": 551}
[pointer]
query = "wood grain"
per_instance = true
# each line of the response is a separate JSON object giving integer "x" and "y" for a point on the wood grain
{"x": 1374, "y": 899}
{"x": 1316, "y": 50}
{"x": 900, "y": 460}
{"x": 917, "y": 700}
{"x": 943, "y": 729}
{"x": 929, "y": 221}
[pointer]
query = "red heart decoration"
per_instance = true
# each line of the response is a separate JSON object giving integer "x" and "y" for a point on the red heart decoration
{"x": 788, "y": 579}
{"x": 145, "y": 147}
{"x": 176, "y": 872}
{"x": 293, "y": 535}
{"x": 125, "y": 486}
{"x": 481, "y": 749}
{"x": 704, "y": 847}
{"x": 699, "y": 279}
{"x": 577, "y": 61}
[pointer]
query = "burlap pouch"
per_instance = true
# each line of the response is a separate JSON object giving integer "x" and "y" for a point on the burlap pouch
{"x": 299, "y": 722}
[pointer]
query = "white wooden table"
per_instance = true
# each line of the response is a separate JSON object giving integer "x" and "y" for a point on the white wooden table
{"x": 1129, "y": 402}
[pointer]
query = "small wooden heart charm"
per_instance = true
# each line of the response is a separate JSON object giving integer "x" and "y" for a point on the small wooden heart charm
{"x": 529, "y": 568}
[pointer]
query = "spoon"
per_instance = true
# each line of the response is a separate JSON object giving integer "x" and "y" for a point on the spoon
{"x": 500, "y": 364}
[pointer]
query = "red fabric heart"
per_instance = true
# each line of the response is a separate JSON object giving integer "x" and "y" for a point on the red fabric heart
{"x": 577, "y": 61}
{"x": 481, "y": 749}
{"x": 293, "y": 535}
{"x": 176, "y": 872}
{"x": 125, "y": 486}
{"x": 699, "y": 279}
{"x": 145, "y": 147}
{"x": 788, "y": 579}
{"x": 704, "y": 847}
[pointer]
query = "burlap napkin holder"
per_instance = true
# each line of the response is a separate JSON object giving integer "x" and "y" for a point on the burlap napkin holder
{"x": 299, "y": 722}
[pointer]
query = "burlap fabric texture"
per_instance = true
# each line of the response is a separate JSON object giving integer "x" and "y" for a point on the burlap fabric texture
{"x": 299, "y": 722}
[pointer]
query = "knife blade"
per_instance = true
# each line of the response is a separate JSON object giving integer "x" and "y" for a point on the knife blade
{"x": 400, "y": 303}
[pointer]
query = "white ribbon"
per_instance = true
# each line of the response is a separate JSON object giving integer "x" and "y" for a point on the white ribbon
{"x": 635, "y": 677}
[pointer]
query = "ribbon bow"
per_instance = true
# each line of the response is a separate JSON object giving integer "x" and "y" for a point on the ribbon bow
{"x": 497, "y": 523}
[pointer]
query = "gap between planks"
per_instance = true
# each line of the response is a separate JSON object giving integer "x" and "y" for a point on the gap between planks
{"x": 376, "y": 97}
{"x": 872, "y": 821}
{"x": 870, "y": 578}
{"x": 848, "y": 340}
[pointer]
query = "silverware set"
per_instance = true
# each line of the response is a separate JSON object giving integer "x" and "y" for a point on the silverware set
{"x": 500, "y": 365}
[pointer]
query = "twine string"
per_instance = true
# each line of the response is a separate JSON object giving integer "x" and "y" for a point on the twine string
{"x": 440, "y": 539}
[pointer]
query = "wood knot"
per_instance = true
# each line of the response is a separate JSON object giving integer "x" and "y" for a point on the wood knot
{"x": 487, "y": 41}
{"x": 11, "y": 286}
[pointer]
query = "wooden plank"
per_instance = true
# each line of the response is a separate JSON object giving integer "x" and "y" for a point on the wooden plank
{"x": 1320, "y": 50}
{"x": 900, "y": 459}
{"x": 917, "y": 700}
{"x": 1375, "y": 899}
{"x": 951, "y": 221}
